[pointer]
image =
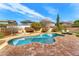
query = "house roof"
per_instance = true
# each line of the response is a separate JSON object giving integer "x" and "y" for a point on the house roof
{"x": 66, "y": 22}
{"x": 8, "y": 22}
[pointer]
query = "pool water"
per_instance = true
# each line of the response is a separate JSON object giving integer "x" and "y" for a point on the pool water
{"x": 43, "y": 38}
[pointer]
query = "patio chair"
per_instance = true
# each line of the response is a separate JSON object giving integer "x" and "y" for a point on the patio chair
{"x": 66, "y": 32}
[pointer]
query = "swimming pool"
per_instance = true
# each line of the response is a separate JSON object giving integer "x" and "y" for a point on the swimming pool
{"x": 43, "y": 38}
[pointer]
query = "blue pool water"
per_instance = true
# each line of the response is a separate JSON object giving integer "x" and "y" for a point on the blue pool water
{"x": 43, "y": 38}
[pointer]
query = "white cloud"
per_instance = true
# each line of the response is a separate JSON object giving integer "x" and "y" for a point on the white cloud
{"x": 51, "y": 10}
{"x": 4, "y": 6}
{"x": 17, "y": 7}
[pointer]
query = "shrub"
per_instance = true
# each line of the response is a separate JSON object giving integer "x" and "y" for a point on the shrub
{"x": 76, "y": 23}
{"x": 77, "y": 35}
{"x": 36, "y": 26}
{"x": 29, "y": 29}
{"x": 44, "y": 29}
{"x": 1, "y": 35}
{"x": 55, "y": 29}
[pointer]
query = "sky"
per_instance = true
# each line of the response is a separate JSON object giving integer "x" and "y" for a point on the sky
{"x": 38, "y": 11}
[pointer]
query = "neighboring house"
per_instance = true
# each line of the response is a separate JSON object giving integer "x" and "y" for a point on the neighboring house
{"x": 12, "y": 26}
{"x": 22, "y": 28}
{"x": 67, "y": 24}
{"x": 6, "y": 26}
{"x": 24, "y": 24}
{"x": 8, "y": 22}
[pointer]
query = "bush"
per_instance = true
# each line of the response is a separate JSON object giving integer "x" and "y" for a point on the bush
{"x": 1, "y": 35}
{"x": 55, "y": 29}
{"x": 29, "y": 29}
{"x": 44, "y": 29}
{"x": 76, "y": 23}
{"x": 77, "y": 35}
{"x": 36, "y": 26}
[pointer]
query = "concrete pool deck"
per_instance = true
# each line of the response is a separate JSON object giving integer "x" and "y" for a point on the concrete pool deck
{"x": 64, "y": 46}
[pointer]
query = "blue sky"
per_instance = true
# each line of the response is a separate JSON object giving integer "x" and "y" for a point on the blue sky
{"x": 37, "y": 11}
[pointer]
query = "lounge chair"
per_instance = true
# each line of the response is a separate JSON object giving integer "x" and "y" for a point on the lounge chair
{"x": 66, "y": 32}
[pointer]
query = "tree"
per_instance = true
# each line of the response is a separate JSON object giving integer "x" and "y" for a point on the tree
{"x": 36, "y": 25}
{"x": 58, "y": 22}
{"x": 45, "y": 22}
{"x": 76, "y": 23}
{"x": 24, "y": 22}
